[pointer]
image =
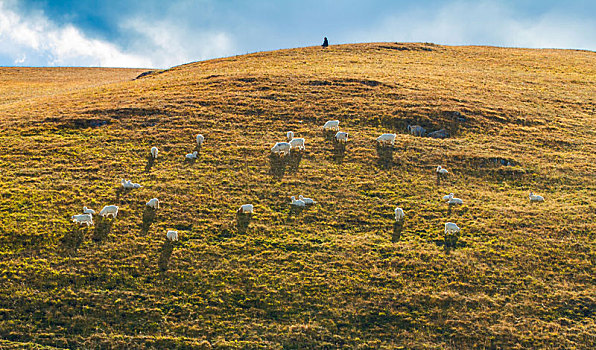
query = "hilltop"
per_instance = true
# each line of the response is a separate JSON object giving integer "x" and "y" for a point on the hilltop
{"x": 521, "y": 276}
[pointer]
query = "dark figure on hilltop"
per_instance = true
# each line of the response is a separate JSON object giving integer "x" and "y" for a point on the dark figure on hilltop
{"x": 325, "y": 43}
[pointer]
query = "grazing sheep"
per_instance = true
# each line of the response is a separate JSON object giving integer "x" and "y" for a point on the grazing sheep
{"x": 109, "y": 210}
{"x": 307, "y": 201}
{"x": 341, "y": 137}
{"x": 416, "y": 130}
{"x": 386, "y": 139}
{"x": 246, "y": 208}
{"x": 154, "y": 152}
{"x": 153, "y": 203}
{"x": 200, "y": 140}
{"x": 281, "y": 148}
{"x": 83, "y": 219}
{"x": 172, "y": 236}
{"x": 442, "y": 171}
{"x": 399, "y": 214}
{"x": 536, "y": 198}
{"x": 297, "y": 143}
{"x": 290, "y": 135}
{"x": 447, "y": 197}
{"x": 451, "y": 228}
{"x": 297, "y": 202}
{"x": 88, "y": 211}
{"x": 331, "y": 125}
{"x": 192, "y": 155}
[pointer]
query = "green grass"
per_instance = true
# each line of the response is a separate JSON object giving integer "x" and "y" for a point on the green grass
{"x": 521, "y": 275}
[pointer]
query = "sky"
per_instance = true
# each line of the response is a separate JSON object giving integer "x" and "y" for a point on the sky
{"x": 166, "y": 33}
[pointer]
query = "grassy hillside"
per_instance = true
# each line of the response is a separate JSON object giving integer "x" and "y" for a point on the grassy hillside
{"x": 521, "y": 276}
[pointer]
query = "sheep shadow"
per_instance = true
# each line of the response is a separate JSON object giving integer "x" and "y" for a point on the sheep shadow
{"x": 103, "y": 227}
{"x": 242, "y": 221}
{"x": 166, "y": 253}
{"x": 329, "y": 135}
{"x": 398, "y": 227}
{"x": 385, "y": 156}
{"x": 149, "y": 215}
{"x": 278, "y": 165}
{"x": 441, "y": 177}
{"x": 294, "y": 211}
{"x": 73, "y": 239}
{"x": 339, "y": 151}
{"x": 198, "y": 149}
{"x": 150, "y": 162}
{"x": 294, "y": 160}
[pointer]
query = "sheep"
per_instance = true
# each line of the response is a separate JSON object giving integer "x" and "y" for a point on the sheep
{"x": 297, "y": 143}
{"x": 172, "y": 236}
{"x": 281, "y": 148}
{"x": 416, "y": 130}
{"x": 447, "y": 197}
{"x": 386, "y": 139}
{"x": 154, "y": 152}
{"x": 341, "y": 137}
{"x": 153, "y": 203}
{"x": 399, "y": 214}
{"x": 442, "y": 171}
{"x": 109, "y": 210}
{"x": 290, "y": 135}
{"x": 246, "y": 209}
{"x": 455, "y": 201}
{"x": 192, "y": 155}
{"x": 88, "y": 211}
{"x": 297, "y": 202}
{"x": 451, "y": 228}
{"x": 307, "y": 201}
{"x": 83, "y": 219}
{"x": 331, "y": 125}
{"x": 200, "y": 140}
{"x": 536, "y": 198}
{"x": 127, "y": 184}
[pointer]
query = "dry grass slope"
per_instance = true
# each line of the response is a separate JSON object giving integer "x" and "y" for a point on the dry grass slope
{"x": 521, "y": 276}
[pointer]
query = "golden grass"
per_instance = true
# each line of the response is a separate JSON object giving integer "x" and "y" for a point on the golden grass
{"x": 521, "y": 276}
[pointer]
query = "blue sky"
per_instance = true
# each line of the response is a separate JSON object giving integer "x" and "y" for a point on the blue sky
{"x": 161, "y": 33}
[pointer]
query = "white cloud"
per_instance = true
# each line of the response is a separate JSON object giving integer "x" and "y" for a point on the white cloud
{"x": 482, "y": 23}
{"x": 35, "y": 40}
{"x": 171, "y": 44}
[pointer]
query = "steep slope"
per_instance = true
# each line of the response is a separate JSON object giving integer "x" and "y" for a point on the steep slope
{"x": 521, "y": 275}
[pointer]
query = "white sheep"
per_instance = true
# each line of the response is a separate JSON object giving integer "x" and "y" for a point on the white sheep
{"x": 442, "y": 171}
{"x": 172, "y": 236}
{"x": 200, "y": 140}
{"x": 386, "y": 139}
{"x": 446, "y": 198}
{"x": 341, "y": 137}
{"x": 297, "y": 202}
{"x": 246, "y": 209}
{"x": 153, "y": 203}
{"x": 83, "y": 219}
{"x": 331, "y": 125}
{"x": 297, "y": 143}
{"x": 450, "y": 228}
{"x": 307, "y": 201}
{"x": 154, "y": 152}
{"x": 127, "y": 184}
{"x": 290, "y": 135}
{"x": 109, "y": 210}
{"x": 536, "y": 198}
{"x": 192, "y": 155}
{"x": 281, "y": 148}
{"x": 416, "y": 130}
{"x": 399, "y": 214}
{"x": 88, "y": 211}
{"x": 455, "y": 201}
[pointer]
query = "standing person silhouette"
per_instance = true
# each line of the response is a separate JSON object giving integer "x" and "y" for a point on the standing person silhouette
{"x": 325, "y": 43}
